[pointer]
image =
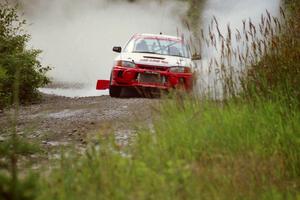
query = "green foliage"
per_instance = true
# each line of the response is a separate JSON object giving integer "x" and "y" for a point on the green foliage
{"x": 197, "y": 151}
{"x": 21, "y": 74}
{"x": 25, "y": 189}
{"x": 11, "y": 186}
{"x": 22, "y": 148}
{"x": 14, "y": 56}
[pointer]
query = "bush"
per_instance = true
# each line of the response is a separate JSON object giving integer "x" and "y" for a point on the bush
{"x": 18, "y": 65}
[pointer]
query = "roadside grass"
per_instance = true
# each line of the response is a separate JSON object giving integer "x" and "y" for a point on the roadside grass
{"x": 202, "y": 150}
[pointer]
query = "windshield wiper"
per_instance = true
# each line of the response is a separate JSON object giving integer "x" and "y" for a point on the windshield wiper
{"x": 177, "y": 56}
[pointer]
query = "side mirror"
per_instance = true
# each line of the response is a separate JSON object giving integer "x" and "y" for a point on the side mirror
{"x": 196, "y": 56}
{"x": 117, "y": 49}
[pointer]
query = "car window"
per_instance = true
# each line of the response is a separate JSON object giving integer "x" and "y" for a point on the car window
{"x": 163, "y": 46}
{"x": 129, "y": 46}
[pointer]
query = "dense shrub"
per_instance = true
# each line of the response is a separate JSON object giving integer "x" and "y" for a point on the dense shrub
{"x": 18, "y": 64}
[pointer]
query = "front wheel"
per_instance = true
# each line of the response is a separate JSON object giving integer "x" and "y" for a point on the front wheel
{"x": 115, "y": 91}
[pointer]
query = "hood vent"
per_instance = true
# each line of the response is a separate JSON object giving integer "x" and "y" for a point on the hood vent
{"x": 152, "y": 57}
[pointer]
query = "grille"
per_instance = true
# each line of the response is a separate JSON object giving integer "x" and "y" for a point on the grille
{"x": 150, "y": 78}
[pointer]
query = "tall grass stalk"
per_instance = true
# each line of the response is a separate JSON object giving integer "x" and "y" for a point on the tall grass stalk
{"x": 259, "y": 60}
{"x": 14, "y": 138}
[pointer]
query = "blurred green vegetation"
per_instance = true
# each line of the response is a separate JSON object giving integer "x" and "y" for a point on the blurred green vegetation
{"x": 21, "y": 74}
{"x": 197, "y": 150}
{"x": 15, "y": 56}
{"x": 13, "y": 185}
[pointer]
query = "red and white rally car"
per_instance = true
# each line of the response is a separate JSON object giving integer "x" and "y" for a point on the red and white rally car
{"x": 150, "y": 61}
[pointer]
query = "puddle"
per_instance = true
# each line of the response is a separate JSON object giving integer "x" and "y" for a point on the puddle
{"x": 65, "y": 114}
{"x": 123, "y": 137}
{"x": 73, "y": 92}
{"x": 55, "y": 143}
{"x": 2, "y": 139}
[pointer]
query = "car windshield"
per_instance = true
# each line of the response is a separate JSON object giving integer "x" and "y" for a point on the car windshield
{"x": 157, "y": 45}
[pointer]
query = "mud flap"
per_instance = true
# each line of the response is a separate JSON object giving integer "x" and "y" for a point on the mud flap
{"x": 102, "y": 84}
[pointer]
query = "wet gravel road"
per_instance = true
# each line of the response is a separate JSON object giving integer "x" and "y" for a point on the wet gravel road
{"x": 58, "y": 121}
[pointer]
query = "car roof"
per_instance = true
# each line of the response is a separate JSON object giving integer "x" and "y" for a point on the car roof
{"x": 158, "y": 36}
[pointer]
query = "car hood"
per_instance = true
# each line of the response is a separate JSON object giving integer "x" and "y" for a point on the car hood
{"x": 155, "y": 59}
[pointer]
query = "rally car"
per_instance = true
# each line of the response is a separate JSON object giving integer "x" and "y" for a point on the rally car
{"x": 150, "y": 61}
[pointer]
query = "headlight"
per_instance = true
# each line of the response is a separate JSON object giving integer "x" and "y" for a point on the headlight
{"x": 180, "y": 69}
{"x": 128, "y": 64}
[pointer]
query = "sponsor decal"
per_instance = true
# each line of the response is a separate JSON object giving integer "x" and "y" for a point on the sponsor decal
{"x": 154, "y": 60}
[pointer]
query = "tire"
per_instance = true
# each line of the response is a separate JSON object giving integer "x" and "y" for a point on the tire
{"x": 115, "y": 91}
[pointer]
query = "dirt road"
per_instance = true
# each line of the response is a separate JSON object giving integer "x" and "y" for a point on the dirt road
{"x": 59, "y": 121}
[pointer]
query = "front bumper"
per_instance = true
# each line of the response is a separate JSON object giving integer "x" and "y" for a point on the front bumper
{"x": 137, "y": 77}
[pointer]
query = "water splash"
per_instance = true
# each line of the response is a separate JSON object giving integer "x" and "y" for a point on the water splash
{"x": 77, "y": 36}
